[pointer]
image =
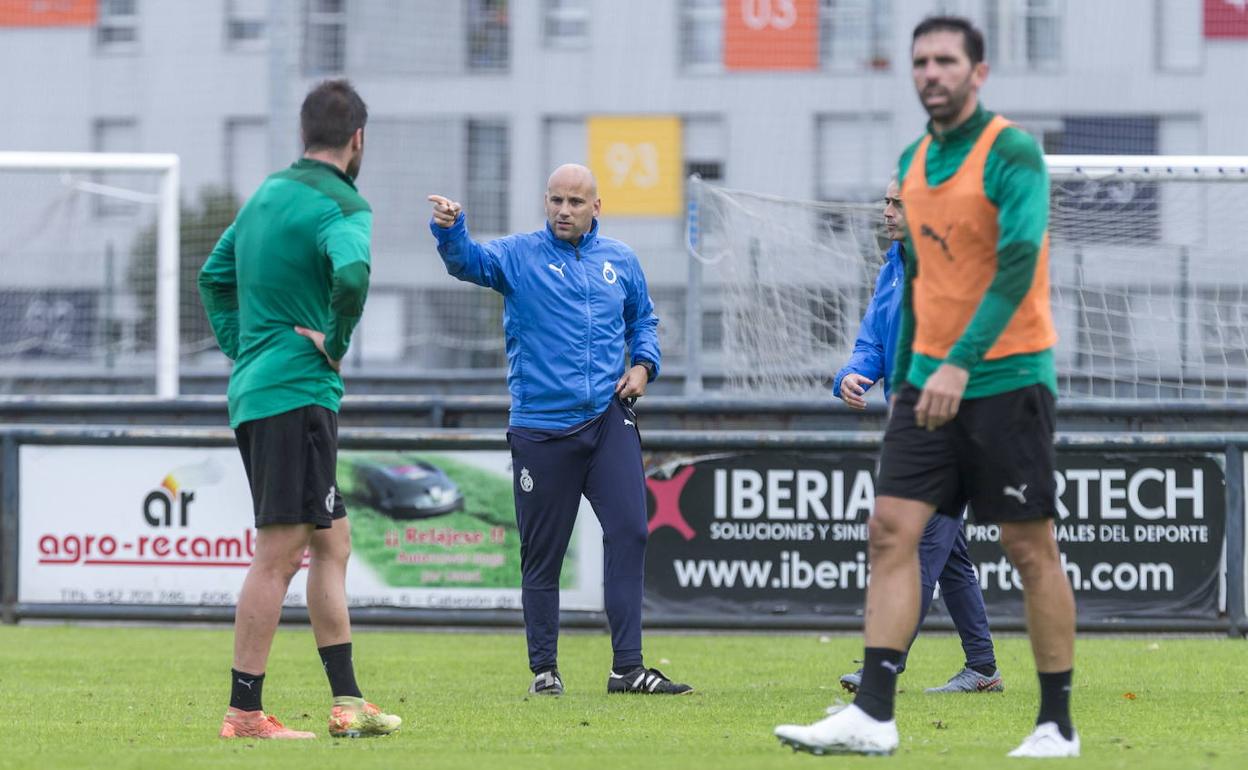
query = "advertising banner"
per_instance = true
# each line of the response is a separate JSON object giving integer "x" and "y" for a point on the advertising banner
{"x": 163, "y": 525}
{"x": 786, "y": 533}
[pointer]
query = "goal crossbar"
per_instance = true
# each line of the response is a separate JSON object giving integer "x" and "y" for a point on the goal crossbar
{"x": 1204, "y": 168}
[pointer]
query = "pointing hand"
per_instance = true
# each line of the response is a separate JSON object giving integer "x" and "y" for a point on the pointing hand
{"x": 445, "y": 210}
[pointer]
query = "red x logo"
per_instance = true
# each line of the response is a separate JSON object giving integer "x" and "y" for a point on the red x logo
{"x": 667, "y": 503}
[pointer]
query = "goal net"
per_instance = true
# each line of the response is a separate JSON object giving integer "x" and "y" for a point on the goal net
{"x": 89, "y": 271}
{"x": 1149, "y": 266}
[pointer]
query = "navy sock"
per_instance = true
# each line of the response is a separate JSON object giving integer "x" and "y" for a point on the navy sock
{"x": 987, "y": 669}
{"x": 339, "y": 667}
{"x": 879, "y": 682}
{"x": 245, "y": 690}
{"x": 1055, "y": 701}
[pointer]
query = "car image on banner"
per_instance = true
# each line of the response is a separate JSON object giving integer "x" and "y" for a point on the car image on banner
{"x": 414, "y": 490}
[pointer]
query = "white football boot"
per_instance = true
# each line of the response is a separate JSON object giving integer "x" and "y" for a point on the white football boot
{"x": 1045, "y": 742}
{"x": 846, "y": 730}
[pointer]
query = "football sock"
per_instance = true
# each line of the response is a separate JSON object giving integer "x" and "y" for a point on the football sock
{"x": 879, "y": 682}
{"x": 1055, "y": 701}
{"x": 339, "y": 668}
{"x": 986, "y": 669}
{"x": 245, "y": 690}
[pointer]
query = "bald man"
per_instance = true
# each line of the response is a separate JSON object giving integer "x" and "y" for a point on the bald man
{"x": 574, "y": 304}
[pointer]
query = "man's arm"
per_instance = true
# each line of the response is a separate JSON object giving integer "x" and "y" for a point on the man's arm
{"x": 345, "y": 241}
{"x": 464, "y": 258}
{"x": 641, "y": 325}
{"x": 867, "y": 359}
{"x": 218, "y": 290}
{"x": 1016, "y": 180}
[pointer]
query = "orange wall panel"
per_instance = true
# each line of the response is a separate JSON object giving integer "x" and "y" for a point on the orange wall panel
{"x": 771, "y": 34}
{"x": 48, "y": 13}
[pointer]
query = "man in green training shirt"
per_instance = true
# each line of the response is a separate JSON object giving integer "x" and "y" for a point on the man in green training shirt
{"x": 284, "y": 288}
{"x": 973, "y": 392}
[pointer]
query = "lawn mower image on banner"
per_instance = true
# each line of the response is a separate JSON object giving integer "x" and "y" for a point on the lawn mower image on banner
{"x": 413, "y": 490}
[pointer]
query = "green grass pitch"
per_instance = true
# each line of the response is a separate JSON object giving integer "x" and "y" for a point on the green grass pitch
{"x": 153, "y": 697}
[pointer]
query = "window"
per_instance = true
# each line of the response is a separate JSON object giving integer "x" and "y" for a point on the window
{"x": 488, "y": 175}
{"x": 245, "y": 23}
{"x": 566, "y": 23}
{"x": 325, "y": 43}
{"x": 406, "y": 158}
{"x": 1046, "y": 130}
{"x": 706, "y": 147}
{"x": 117, "y": 30}
{"x": 1180, "y": 40}
{"x": 246, "y": 155}
{"x": 707, "y": 170}
{"x": 489, "y": 36}
{"x": 856, "y": 155}
{"x": 1023, "y": 34}
{"x": 115, "y": 135}
{"x": 702, "y": 35}
{"x": 855, "y": 34}
{"x": 1094, "y": 211}
{"x": 565, "y": 140}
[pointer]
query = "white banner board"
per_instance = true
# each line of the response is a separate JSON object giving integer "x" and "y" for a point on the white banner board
{"x": 173, "y": 526}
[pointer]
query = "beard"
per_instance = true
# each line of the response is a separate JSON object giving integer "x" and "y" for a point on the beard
{"x": 955, "y": 100}
{"x": 353, "y": 165}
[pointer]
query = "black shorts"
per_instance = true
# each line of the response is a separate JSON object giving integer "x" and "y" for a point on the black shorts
{"x": 292, "y": 461}
{"x": 997, "y": 453}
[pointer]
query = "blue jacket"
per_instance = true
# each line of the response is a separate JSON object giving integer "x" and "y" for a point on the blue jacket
{"x": 876, "y": 346}
{"x": 568, "y": 312}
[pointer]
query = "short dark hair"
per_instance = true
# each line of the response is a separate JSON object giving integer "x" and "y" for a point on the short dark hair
{"x": 331, "y": 113}
{"x": 972, "y": 38}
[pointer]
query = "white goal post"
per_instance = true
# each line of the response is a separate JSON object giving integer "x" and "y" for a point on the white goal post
{"x": 1149, "y": 267}
{"x": 165, "y": 199}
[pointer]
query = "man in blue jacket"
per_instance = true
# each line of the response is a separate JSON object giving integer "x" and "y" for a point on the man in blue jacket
{"x": 573, "y": 303}
{"x": 943, "y": 556}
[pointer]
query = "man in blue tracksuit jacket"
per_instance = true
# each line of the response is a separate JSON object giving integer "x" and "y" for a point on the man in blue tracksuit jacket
{"x": 943, "y": 556}
{"x": 573, "y": 303}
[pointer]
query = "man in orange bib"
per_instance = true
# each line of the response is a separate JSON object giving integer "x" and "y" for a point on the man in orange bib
{"x": 974, "y": 385}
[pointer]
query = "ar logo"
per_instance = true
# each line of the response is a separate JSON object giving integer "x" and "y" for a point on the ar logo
{"x": 160, "y": 505}
{"x": 927, "y": 232}
{"x": 526, "y": 481}
{"x": 608, "y": 273}
{"x": 169, "y": 505}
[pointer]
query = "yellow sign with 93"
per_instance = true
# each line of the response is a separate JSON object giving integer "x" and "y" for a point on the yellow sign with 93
{"x": 639, "y": 164}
